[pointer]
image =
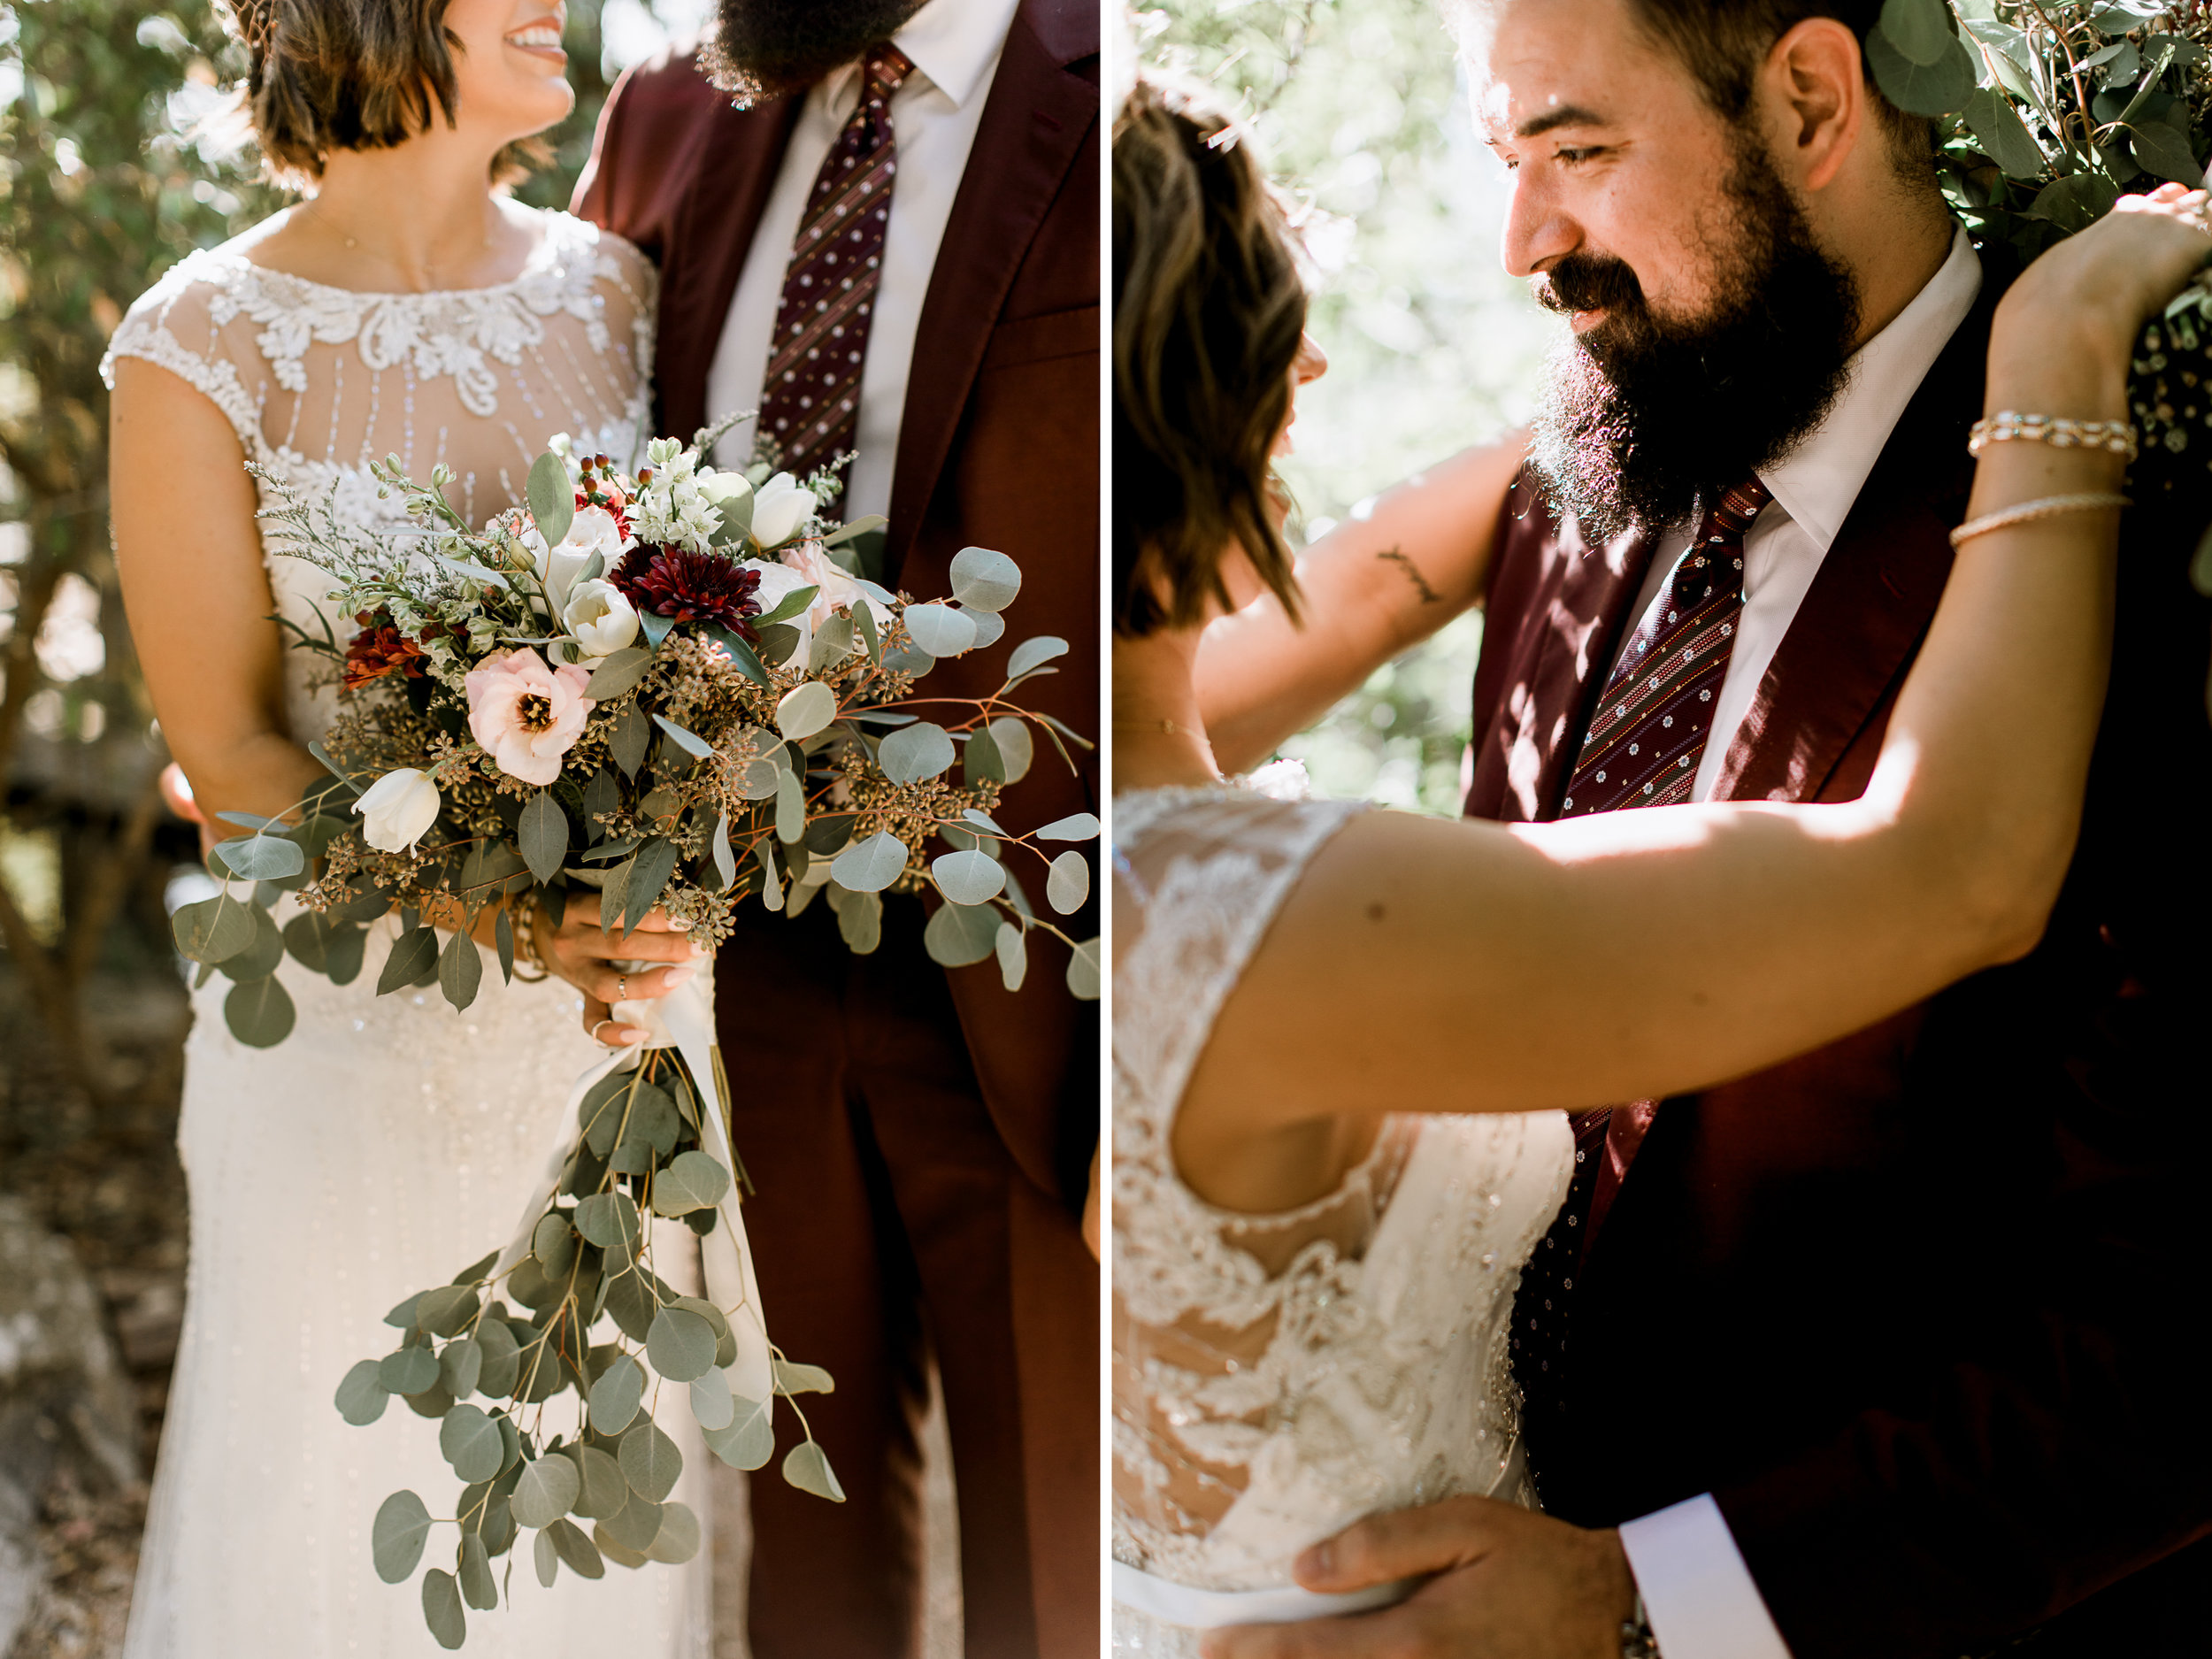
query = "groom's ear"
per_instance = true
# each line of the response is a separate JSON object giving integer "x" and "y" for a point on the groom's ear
{"x": 1813, "y": 98}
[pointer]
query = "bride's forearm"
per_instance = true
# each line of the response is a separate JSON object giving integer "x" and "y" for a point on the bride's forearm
{"x": 1372, "y": 587}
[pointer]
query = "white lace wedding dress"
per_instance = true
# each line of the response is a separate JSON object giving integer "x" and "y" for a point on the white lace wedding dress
{"x": 1276, "y": 1378}
{"x": 388, "y": 1143}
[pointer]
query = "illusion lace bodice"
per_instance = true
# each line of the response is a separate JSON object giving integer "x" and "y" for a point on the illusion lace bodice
{"x": 319, "y": 383}
{"x": 1277, "y": 1376}
{"x": 389, "y": 1140}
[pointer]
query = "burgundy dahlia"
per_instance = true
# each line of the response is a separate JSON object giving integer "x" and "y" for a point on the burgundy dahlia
{"x": 687, "y": 586}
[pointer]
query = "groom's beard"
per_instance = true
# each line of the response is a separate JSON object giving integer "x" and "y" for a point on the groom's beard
{"x": 1643, "y": 412}
{"x": 762, "y": 48}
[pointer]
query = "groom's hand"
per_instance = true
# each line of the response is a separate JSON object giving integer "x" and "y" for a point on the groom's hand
{"x": 1507, "y": 1584}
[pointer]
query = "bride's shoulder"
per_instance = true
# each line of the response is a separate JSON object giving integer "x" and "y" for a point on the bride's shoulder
{"x": 204, "y": 276}
{"x": 570, "y": 243}
{"x": 1267, "y": 821}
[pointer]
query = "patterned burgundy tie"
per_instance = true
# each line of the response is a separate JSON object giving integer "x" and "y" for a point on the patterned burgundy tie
{"x": 1642, "y": 750}
{"x": 1649, "y": 731}
{"x": 810, "y": 394}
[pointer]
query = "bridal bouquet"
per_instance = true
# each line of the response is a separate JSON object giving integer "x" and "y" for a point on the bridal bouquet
{"x": 671, "y": 690}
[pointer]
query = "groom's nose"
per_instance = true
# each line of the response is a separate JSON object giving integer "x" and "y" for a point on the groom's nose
{"x": 1538, "y": 229}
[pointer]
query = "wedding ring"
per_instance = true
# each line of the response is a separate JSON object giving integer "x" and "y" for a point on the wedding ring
{"x": 621, "y": 988}
{"x": 595, "y": 1036}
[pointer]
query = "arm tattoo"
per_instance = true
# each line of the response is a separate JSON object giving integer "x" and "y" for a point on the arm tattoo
{"x": 1396, "y": 555}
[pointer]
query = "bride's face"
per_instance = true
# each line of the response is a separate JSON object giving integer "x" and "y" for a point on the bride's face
{"x": 1310, "y": 364}
{"x": 510, "y": 74}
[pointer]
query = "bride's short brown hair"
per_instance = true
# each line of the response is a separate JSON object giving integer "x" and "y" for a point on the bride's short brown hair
{"x": 351, "y": 74}
{"x": 1209, "y": 311}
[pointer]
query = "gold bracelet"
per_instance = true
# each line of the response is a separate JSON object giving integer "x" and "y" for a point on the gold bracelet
{"x": 526, "y": 948}
{"x": 2118, "y": 437}
{"x": 2027, "y": 513}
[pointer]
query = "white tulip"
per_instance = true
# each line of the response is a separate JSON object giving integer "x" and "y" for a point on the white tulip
{"x": 777, "y": 583}
{"x": 779, "y": 507}
{"x": 397, "y": 810}
{"x": 601, "y": 616}
{"x": 721, "y": 488}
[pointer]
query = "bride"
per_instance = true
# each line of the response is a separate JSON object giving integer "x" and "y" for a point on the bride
{"x": 1311, "y": 1278}
{"x": 407, "y": 306}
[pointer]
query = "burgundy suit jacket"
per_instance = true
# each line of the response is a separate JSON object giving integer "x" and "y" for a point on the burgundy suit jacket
{"x": 1922, "y": 1309}
{"x": 998, "y": 444}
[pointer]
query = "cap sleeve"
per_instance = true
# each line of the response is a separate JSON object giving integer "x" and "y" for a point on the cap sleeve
{"x": 183, "y": 324}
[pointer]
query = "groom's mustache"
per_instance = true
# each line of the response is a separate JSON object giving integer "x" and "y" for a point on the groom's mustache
{"x": 1589, "y": 282}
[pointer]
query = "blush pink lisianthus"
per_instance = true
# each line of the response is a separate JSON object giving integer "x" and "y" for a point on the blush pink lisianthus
{"x": 526, "y": 715}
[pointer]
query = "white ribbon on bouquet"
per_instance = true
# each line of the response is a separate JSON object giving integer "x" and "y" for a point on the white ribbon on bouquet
{"x": 683, "y": 1020}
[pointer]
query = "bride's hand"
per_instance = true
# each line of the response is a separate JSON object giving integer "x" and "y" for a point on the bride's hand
{"x": 2117, "y": 274}
{"x": 584, "y": 954}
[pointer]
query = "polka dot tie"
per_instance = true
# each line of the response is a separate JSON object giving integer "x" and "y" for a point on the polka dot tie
{"x": 1648, "y": 733}
{"x": 810, "y": 403}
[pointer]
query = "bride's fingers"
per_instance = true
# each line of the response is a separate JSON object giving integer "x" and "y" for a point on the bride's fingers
{"x": 610, "y": 984}
{"x": 601, "y": 1026}
{"x": 1404, "y": 1543}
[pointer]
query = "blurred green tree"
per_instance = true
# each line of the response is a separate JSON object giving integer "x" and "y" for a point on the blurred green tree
{"x": 109, "y": 173}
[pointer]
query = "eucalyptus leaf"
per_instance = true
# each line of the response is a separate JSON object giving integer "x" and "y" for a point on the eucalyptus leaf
{"x": 649, "y": 872}
{"x": 650, "y": 1463}
{"x": 1014, "y": 748}
{"x": 1997, "y": 126}
{"x": 212, "y": 930}
{"x": 605, "y": 1490}
{"x": 1068, "y": 883}
{"x": 501, "y": 1363}
{"x": 915, "y": 752}
{"x": 627, "y": 1534}
{"x": 808, "y": 1468}
{"x": 749, "y": 1440}
{"x": 1931, "y": 88}
{"x": 1012, "y": 945}
{"x": 2073, "y": 203}
{"x": 790, "y": 808}
{"x": 610, "y": 1220}
{"x": 677, "y": 1540}
{"x": 553, "y": 1241}
{"x": 805, "y": 710}
{"x": 793, "y": 1377}
{"x": 859, "y": 921}
{"x": 261, "y": 857}
{"x": 460, "y": 969}
{"x": 631, "y": 1304}
{"x": 871, "y": 865}
{"x": 1078, "y": 826}
{"x": 983, "y": 580}
{"x": 1034, "y": 653}
{"x": 1920, "y": 29}
{"x": 547, "y": 1487}
{"x": 447, "y": 1310}
{"x": 1083, "y": 971}
{"x": 541, "y": 835}
{"x": 617, "y": 672}
{"x": 939, "y": 630}
{"x": 577, "y": 1552}
{"x": 726, "y": 1342}
{"x": 470, "y": 1440}
{"x": 461, "y": 1367}
{"x": 689, "y": 742}
{"x": 479, "y": 1588}
{"x": 397, "y": 1537}
{"x": 442, "y": 1608}
{"x": 259, "y": 959}
{"x": 546, "y": 1559}
{"x": 631, "y": 736}
{"x": 259, "y": 1012}
{"x": 981, "y": 762}
{"x": 713, "y": 1405}
{"x": 2162, "y": 151}
{"x": 968, "y": 878}
{"x": 959, "y": 935}
{"x": 552, "y": 498}
{"x": 362, "y": 1395}
{"x": 615, "y": 1397}
{"x": 693, "y": 1180}
{"x": 414, "y": 954}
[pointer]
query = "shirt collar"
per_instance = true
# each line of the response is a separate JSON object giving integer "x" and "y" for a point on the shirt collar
{"x": 952, "y": 45}
{"x": 1823, "y": 476}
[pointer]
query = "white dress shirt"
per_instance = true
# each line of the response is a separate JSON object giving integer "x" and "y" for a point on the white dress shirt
{"x": 1698, "y": 1594}
{"x": 955, "y": 46}
{"x": 1814, "y": 489}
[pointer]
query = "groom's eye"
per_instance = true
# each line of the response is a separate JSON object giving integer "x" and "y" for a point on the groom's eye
{"x": 1571, "y": 154}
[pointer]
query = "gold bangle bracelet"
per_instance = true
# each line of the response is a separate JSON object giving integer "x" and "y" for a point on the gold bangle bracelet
{"x": 2028, "y": 511}
{"x": 526, "y": 948}
{"x": 2118, "y": 437}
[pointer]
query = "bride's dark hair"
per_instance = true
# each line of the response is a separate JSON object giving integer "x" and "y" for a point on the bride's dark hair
{"x": 1208, "y": 310}
{"x": 351, "y": 74}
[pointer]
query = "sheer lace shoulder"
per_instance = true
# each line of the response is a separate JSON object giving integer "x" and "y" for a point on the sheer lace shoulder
{"x": 321, "y": 382}
{"x": 1276, "y": 1377}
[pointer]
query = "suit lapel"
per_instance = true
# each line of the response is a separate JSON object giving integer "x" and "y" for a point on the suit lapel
{"x": 1861, "y": 622}
{"x": 709, "y": 243}
{"x": 1035, "y": 120}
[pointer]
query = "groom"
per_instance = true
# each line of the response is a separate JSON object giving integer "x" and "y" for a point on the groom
{"x": 1894, "y": 1351}
{"x": 920, "y": 1137}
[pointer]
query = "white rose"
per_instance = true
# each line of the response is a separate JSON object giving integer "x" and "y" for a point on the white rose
{"x": 779, "y": 507}
{"x": 601, "y": 617}
{"x": 397, "y": 810}
{"x": 593, "y": 531}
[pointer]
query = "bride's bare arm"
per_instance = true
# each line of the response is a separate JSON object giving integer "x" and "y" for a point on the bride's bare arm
{"x": 189, "y": 555}
{"x": 1373, "y": 587}
{"x": 1428, "y": 964}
